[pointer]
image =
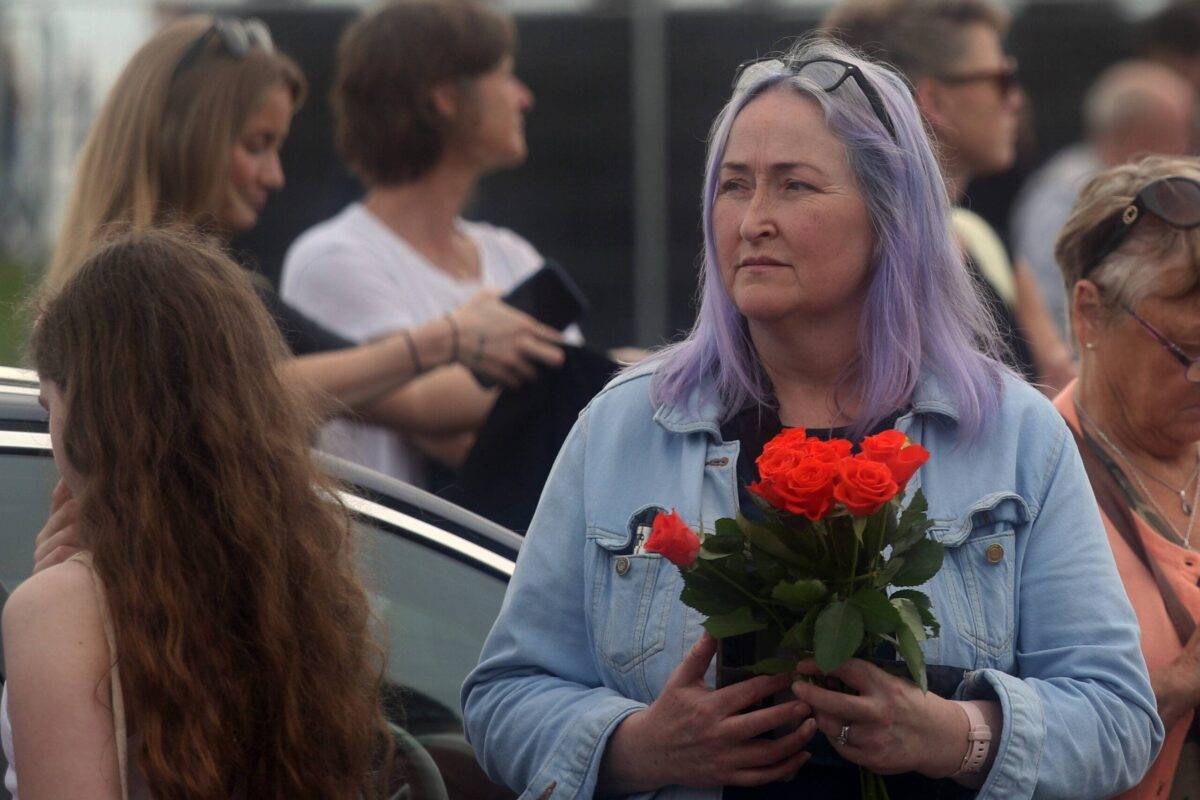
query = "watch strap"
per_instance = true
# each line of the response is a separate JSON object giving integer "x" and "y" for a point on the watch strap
{"x": 979, "y": 740}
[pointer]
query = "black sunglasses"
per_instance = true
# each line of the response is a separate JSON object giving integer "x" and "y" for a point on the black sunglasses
{"x": 1005, "y": 78}
{"x": 236, "y": 37}
{"x": 828, "y": 74}
{"x": 1175, "y": 200}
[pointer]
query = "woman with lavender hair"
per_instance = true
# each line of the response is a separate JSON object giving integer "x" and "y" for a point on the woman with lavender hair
{"x": 834, "y": 299}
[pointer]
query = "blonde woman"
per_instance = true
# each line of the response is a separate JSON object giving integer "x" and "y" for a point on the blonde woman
{"x": 191, "y": 133}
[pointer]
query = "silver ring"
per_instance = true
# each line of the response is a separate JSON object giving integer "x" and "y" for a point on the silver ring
{"x": 843, "y": 737}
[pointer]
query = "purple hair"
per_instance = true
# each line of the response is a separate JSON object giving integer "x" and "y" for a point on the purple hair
{"x": 921, "y": 313}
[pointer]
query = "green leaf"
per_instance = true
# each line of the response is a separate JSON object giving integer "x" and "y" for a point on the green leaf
{"x": 734, "y": 623}
{"x": 728, "y": 527}
{"x": 707, "y": 592}
{"x": 879, "y": 615}
{"x": 769, "y": 569}
{"x": 766, "y": 539}
{"x": 860, "y": 525}
{"x": 723, "y": 544}
{"x": 799, "y": 595}
{"x": 921, "y": 563}
{"x": 924, "y": 607}
{"x": 910, "y": 651}
{"x": 910, "y": 616}
{"x": 799, "y": 638}
{"x": 905, "y": 538}
{"x": 771, "y": 666}
{"x": 708, "y": 555}
{"x": 838, "y": 634}
{"x": 893, "y": 565}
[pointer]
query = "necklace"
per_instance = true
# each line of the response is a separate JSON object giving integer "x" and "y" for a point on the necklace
{"x": 1187, "y": 508}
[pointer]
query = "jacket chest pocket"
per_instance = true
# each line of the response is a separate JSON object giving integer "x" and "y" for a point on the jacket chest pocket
{"x": 980, "y": 551}
{"x": 628, "y": 612}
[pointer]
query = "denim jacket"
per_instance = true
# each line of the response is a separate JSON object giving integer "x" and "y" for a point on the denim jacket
{"x": 1028, "y": 598}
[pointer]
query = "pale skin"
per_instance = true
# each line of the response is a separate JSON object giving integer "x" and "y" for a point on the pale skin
{"x": 785, "y": 185}
{"x": 57, "y": 663}
{"x": 367, "y": 380}
{"x": 976, "y": 129}
{"x": 1134, "y": 391}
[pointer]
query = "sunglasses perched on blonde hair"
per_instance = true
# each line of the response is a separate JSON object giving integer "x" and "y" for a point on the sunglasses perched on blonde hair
{"x": 1174, "y": 200}
{"x": 236, "y": 38}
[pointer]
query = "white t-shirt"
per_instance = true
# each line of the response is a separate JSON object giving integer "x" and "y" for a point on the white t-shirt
{"x": 360, "y": 279}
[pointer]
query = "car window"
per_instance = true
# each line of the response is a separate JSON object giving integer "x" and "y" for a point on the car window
{"x": 435, "y": 611}
{"x": 26, "y": 481}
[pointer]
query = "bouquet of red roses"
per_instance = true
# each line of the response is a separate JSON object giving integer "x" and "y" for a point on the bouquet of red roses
{"x": 814, "y": 576}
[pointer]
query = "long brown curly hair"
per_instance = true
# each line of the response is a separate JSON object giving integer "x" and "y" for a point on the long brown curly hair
{"x": 242, "y": 633}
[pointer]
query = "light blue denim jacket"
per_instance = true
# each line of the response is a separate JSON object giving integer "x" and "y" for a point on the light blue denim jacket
{"x": 1029, "y": 598}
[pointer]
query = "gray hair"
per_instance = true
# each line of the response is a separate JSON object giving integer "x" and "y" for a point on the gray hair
{"x": 1135, "y": 270}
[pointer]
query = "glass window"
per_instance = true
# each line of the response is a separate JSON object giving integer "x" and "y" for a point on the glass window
{"x": 435, "y": 612}
{"x": 26, "y": 481}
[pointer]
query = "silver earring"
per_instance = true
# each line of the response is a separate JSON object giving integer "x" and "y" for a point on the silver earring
{"x": 1090, "y": 345}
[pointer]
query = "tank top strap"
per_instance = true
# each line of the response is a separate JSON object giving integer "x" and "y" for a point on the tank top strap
{"x": 120, "y": 730}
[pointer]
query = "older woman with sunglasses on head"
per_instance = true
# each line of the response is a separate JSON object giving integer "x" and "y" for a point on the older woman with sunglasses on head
{"x": 1130, "y": 254}
{"x": 835, "y": 300}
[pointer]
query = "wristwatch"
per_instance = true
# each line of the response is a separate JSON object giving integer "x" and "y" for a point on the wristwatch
{"x": 979, "y": 740}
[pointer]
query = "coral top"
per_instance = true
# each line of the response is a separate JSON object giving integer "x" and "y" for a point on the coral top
{"x": 1160, "y": 642}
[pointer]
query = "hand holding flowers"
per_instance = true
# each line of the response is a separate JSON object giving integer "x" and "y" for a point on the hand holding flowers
{"x": 812, "y": 577}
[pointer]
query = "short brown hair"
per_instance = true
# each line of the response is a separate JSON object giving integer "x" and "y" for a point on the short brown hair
{"x": 1130, "y": 273}
{"x": 389, "y": 60}
{"x": 919, "y": 38}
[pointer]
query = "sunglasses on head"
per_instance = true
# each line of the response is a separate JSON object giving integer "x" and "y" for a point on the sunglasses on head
{"x": 1175, "y": 200}
{"x": 236, "y": 37}
{"x": 828, "y": 74}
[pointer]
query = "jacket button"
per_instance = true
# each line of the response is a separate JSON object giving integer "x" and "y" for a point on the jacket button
{"x": 622, "y": 565}
{"x": 717, "y": 462}
{"x": 994, "y": 553}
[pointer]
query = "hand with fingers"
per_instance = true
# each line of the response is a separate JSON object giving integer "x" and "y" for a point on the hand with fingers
{"x": 58, "y": 539}
{"x": 692, "y": 735}
{"x": 890, "y": 725}
{"x": 500, "y": 343}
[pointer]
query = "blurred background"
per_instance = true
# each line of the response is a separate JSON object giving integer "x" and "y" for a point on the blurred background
{"x": 625, "y": 92}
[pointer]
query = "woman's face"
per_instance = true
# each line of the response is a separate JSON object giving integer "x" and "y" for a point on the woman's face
{"x": 793, "y": 235}
{"x": 254, "y": 167}
{"x": 1160, "y": 405}
{"x": 51, "y": 399}
{"x": 498, "y": 101}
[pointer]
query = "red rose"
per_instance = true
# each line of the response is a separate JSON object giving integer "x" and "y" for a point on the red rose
{"x": 831, "y": 452}
{"x": 806, "y": 488}
{"x": 883, "y": 447}
{"x": 671, "y": 536}
{"x": 864, "y": 486}
{"x": 905, "y": 463}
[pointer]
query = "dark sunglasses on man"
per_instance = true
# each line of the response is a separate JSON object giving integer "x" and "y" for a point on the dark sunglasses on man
{"x": 1004, "y": 78}
{"x": 236, "y": 37}
{"x": 1174, "y": 200}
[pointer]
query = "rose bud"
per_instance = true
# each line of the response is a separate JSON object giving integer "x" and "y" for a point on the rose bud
{"x": 671, "y": 537}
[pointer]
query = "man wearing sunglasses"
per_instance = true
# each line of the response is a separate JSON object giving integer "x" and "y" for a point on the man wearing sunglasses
{"x": 1134, "y": 108}
{"x": 966, "y": 88}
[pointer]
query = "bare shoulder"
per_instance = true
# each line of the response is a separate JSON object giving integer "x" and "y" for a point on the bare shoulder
{"x": 57, "y": 608}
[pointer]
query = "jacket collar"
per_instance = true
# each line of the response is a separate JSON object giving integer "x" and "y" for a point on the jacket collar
{"x": 702, "y": 411}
